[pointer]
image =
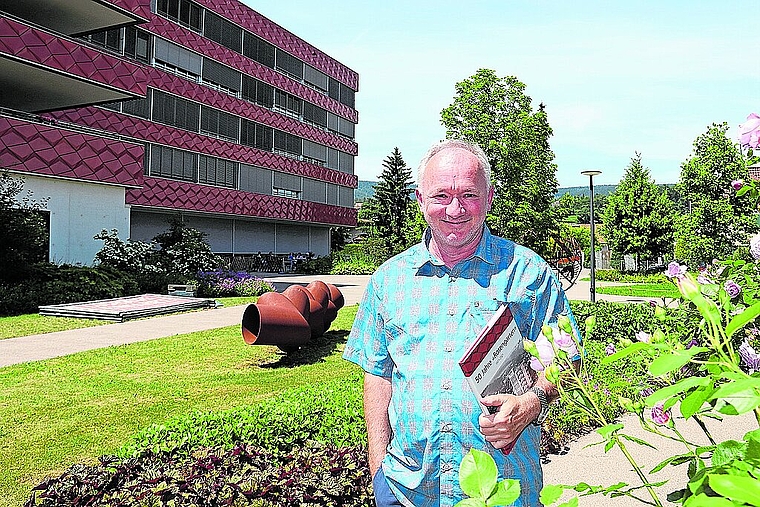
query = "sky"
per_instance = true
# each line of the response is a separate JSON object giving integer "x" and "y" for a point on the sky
{"x": 616, "y": 77}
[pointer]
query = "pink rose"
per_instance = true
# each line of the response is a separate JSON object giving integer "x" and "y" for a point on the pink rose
{"x": 545, "y": 353}
{"x": 749, "y": 132}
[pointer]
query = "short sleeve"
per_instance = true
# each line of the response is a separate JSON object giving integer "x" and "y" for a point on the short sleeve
{"x": 367, "y": 344}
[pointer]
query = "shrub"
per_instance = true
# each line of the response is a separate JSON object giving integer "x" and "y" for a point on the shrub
{"x": 49, "y": 284}
{"x": 312, "y": 475}
{"x": 224, "y": 283}
{"x": 330, "y": 412}
{"x": 613, "y": 275}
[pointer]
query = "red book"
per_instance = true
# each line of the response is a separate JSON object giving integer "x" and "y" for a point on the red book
{"x": 496, "y": 362}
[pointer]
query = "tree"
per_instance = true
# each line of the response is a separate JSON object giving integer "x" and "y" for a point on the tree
{"x": 390, "y": 209}
{"x": 714, "y": 220}
{"x": 184, "y": 250}
{"x": 496, "y": 114}
{"x": 638, "y": 219}
{"x": 23, "y": 232}
{"x": 577, "y": 208}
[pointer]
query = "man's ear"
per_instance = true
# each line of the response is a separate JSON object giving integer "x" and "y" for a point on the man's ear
{"x": 490, "y": 197}
{"x": 418, "y": 195}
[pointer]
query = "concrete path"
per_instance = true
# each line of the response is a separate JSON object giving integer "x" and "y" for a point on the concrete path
{"x": 46, "y": 346}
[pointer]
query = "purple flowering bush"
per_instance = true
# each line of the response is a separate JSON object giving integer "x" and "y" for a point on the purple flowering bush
{"x": 224, "y": 283}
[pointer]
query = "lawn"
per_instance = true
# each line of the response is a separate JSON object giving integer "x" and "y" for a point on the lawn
{"x": 61, "y": 411}
{"x": 641, "y": 290}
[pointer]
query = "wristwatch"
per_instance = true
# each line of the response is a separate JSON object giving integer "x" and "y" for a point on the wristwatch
{"x": 541, "y": 395}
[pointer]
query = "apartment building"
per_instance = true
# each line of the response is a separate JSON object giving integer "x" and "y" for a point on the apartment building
{"x": 126, "y": 113}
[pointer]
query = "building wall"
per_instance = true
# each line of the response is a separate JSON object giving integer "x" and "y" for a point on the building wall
{"x": 79, "y": 210}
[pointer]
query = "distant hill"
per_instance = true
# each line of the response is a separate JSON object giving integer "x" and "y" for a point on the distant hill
{"x": 584, "y": 190}
{"x": 366, "y": 190}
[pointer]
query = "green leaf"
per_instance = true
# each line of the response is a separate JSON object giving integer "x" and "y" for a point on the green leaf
{"x": 607, "y": 431}
{"x": 631, "y": 349}
{"x": 727, "y": 451}
{"x": 676, "y": 460}
{"x": 740, "y": 489}
{"x": 478, "y": 474}
{"x": 573, "y": 502}
{"x": 669, "y": 362}
{"x": 638, "y": 441}
{"x": 742, "y": 395}
{"x": 739, "y": 321}
{"x": 680, "y": 386}
{"x": 691, "y": 404}
{"x": 507, "y": 491}
{"x": 470, "y": 502}
{"x": 551, "y": 493}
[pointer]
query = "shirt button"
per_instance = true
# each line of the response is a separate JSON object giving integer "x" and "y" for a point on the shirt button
{"x": 448, "y": 348}
{"x": 446, "y": 385}
{"x": 451, "y": 312}
{"x": 446, "y": 427}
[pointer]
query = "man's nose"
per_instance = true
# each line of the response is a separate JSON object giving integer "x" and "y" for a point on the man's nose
{"x": 454, "y": 208}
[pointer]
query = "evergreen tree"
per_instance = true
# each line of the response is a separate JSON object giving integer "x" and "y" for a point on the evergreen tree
{"x": 390, "y": 209}
{"x": 496, "y": 114}
{"x": 714, "y": 220}
{"x": 23, "y": 232}
{"x": 638, "y": 219}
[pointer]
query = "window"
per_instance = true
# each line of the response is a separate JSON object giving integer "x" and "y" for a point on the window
{"x": 175, "y": 111}
{"x": 137, "y": 107}
{"x": 314, "y": 114}
{"x": 346, "y": 128}
{"x": 177, "y": 59}
{"x": 286, "y": 185}
{"x": 258, "y": 49}
{"x": 224, "y": 32}
{"x": 287, "y": 144}
{"x": 314, "y": 190}
{"x": 257, "y": 92}
{"x": 217, "y": 123}
{"x": 216, "y": 73}
{"x": 255, "y": 179}
{"x": 184, "y": 12}
{"x": 257, "y": 136}
{"x": 137, "y": 44}
{"x": 314, "y": 153}
{"x": 110, "y": 39}
{"x": 217, "y": 171}
{"x": 346, "y": 96}
{"x": 315, "y": 78}
{"x": 346, "y": 162}
{"x": 287, "y": 103}
{"x": 172, "y": 163}
{"x": 288, "y": 64}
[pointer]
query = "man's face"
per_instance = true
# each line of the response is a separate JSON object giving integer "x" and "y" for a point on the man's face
{"x": 454, "y": 197}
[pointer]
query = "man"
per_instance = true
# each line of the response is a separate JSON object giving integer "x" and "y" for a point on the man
{"x": 420, "y": 312}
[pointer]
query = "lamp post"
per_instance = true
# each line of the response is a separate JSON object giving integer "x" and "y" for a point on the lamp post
{"x": 591, "y": 173}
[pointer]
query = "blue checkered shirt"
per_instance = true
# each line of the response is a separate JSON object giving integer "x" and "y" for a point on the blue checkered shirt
{"x": 415, "y": 321}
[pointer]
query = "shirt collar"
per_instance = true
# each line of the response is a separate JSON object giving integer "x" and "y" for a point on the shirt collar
{"x": 428, "y": 264}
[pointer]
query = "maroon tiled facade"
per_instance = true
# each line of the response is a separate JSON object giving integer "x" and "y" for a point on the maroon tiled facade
{"x": 45, "y": 49}
{"x": 52, "y": 151}
{"x": 161, "y": 193}
{"x": 274, "y": 33}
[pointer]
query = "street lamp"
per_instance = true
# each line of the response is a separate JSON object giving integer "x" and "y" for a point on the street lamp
{"x": 591, "y": 173}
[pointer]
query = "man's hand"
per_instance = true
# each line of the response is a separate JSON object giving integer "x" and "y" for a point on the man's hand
{"x": 514, "y": 414}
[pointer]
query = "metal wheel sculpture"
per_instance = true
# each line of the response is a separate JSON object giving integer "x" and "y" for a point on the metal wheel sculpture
{"x": 566, "y": 260}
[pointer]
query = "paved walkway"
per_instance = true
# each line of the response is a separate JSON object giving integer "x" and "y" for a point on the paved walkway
{"x": 46, "y": 346}
{"x": 579, "y": 463}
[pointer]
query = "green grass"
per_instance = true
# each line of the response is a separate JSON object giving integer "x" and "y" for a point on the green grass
{"x": 642, "y": 290}
{"x": 25, "y": 325}
{"x": 72, "y": 409}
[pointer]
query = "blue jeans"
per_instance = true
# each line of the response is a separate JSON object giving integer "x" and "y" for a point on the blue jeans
{"x": 383, "y": 494}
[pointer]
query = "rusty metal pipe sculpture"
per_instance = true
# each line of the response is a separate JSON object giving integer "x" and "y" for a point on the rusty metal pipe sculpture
{"x": 290, "y": 319}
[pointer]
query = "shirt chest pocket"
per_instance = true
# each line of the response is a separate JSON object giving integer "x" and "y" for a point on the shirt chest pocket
{"x": 481, "y": 312}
